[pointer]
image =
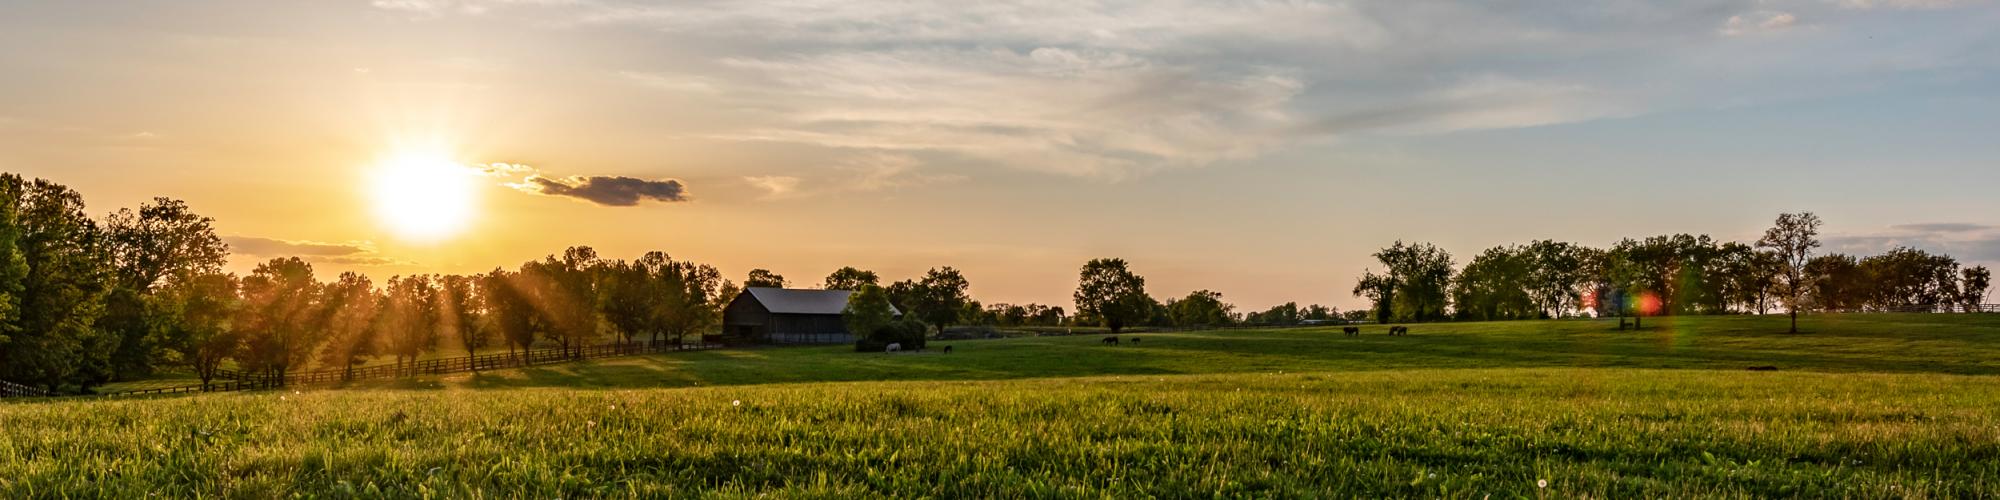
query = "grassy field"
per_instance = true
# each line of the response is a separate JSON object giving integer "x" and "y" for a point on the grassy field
{"x": 1880, "y": 406}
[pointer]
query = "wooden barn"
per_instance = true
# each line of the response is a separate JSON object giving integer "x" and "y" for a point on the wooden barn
{"x": 787, "y": 316}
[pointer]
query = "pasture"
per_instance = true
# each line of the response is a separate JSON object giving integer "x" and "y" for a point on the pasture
{"x": 1902, "y": 406}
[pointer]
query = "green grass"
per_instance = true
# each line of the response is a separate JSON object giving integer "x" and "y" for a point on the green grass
{"x": 1902, "y": 406}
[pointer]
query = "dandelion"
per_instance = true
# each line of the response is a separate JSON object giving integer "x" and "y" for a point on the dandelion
{"x": 1541, "y": 483}
{"x": 738, "y": 402}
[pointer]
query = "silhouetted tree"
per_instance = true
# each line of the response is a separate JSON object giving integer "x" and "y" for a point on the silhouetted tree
{"x": 280, "y": 301}
{"x": 1415, "y": 287}
{"x": 1200, "y": 308}
{"x": 762, "y": 278}
{"x": 510, "y": 308}
{"x": 850, "y": 279}
{"x": 938, "y": 298}
{"x": 351, "y": 328}
{"x": 1793, "y": 237}
{"x": 459, "y": 313}
{"x": 1111, "y": 293}
{"x": 1973, "y": 287}
{"x": 193, "y": 322}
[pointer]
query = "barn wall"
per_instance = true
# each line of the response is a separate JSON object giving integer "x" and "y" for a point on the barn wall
{"x": 808, "y": 329}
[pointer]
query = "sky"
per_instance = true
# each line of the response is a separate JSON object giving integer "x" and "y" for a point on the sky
{"x": 1259, "y": 149}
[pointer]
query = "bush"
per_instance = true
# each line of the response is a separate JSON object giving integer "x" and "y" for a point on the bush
{"x": 909, "y": 332}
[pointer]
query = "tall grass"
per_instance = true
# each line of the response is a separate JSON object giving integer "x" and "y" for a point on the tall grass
{"x": 1452, "y": 433}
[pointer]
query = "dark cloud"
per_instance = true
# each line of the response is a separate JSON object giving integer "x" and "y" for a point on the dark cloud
{"x": 250, "y": 245}
{"x": 608, "y": 190}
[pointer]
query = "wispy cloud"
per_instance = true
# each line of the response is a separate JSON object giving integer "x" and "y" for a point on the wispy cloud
{"x": 1968, "y": 242}
{"x": 359, "y": 253}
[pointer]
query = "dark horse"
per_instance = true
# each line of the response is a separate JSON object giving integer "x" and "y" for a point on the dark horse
{"x": 1111, "y": 340}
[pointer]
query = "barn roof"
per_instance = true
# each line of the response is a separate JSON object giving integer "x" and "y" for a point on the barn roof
{"x": 795, "y": 301}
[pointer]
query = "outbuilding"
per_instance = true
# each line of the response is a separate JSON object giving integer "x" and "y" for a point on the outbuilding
{"x": 787, "y": 316}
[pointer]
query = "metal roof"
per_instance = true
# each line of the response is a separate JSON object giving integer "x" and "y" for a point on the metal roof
{"x": 796, "y": 301}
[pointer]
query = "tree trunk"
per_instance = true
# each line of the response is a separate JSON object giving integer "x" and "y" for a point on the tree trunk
{"x": 1795, "y": 320}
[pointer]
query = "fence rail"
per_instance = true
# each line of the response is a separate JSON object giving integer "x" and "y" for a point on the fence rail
{"x": 229, "y": 380}
{"x": 13, "y": 390}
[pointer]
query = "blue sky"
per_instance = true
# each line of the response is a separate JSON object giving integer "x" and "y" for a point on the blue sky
{"x": 1260, "y": 149}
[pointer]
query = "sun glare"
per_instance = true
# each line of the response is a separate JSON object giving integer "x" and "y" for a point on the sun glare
{"x": 424, "y": 197}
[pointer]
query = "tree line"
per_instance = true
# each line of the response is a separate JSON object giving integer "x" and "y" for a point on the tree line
{"x": 1676, "y": 274}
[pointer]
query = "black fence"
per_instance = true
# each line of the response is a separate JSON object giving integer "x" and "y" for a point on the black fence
{"x": 228, "y": 380}
{"x": 13, "y": 390}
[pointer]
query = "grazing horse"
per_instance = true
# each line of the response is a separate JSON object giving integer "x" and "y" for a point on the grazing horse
{"x": 1111, "y": 340}
{"x": 897, "y": 347}
{"x": 1351, "y": 330}
{"x": 1135, "y": 340}
{"x": 947, "y": 349}
{"x": 1399, "y": 330}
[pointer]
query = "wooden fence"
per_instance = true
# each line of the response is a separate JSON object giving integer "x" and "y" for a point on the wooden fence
{"x": 227, "y": 380}
{"x": 13, "y": 390}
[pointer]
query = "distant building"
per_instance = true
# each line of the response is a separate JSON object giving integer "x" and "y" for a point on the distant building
{"x": 787, "y": 316}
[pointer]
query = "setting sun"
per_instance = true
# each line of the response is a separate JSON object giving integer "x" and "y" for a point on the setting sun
{"x": 423, "y": 196}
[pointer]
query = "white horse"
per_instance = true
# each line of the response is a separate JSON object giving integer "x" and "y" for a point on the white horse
{"x": 898, "y": 347}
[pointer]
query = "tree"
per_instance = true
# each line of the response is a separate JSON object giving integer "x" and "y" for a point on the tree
{"x": 1836, "y": 282}
{"x": 1497, "y": 285}
{"x": 1380, "y": 290}
{"x": 1200, "y": 308}
{"x": 1281, "y": 314}
{"x": 510, "y": 309}
{"x": 938, "y": 298}
{"x": 1555, "y": 274}
{"x": 631, "y": 298}
{"x": 195, "y": 324}
{"x": 61, "y": 281}
{"x": 763, "y": 278}
{"x": 1972, "y": 288}
{"x": 1417, "y": 283}
{"x": 867, "y": 310}
{"x": 565, "y": 292}
{"x": 850, "y": 279}
{"x": 161, "y": 241}
{"x": 410, "y": 318}
{"x": 1109, "y": 292}
{"x": 1793, "y": 237}
{"x": 459, "y": 313}
{"x": 1907, "y": 278}
{"x": 351, "y": 324}
{"x": 279, "y": 305}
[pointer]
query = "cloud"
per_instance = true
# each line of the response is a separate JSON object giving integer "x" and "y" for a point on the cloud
{"x": 1116, "y": 89}
{"x": 775, "y": 186}
{"x": 1759, "y": 22}
{"x": 1970, "y": 243}
{"x": 351, "y": 253}
{"x": 607, "y": 190}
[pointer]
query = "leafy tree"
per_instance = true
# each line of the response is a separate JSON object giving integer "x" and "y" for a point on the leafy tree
{"x": 510, "y": 308}
{"x": 763, "y": 278}
{"x": 1281, "y": 314}
{"x": 1380, "y": 290}
{"x": 61, "y": 282}
{"x": 689, "y": 296}
{"x": 459, "y": 313}
{"x": 850, "y": 279}
{"x": 1555, "y": 274}
{"x": 1417, "y": 283}
{"x": 195, "y": 325}
{"x": 279, "y": 305}
{"x": 351, "y": 307}
{"x": 867, "y": 310}
{"x": 631, "y": 298}
{"x": 938, "y": 298}
{"x": 410, "y": 318}
{"x": 1318, "y": 312}
{"x": 565, "y": 292}
{"x": 1497, "y": 285}
{"x": 1907, "y": 278}
{"x": 162, "y": 240}
{"x": 1972, "y": 288}
{"x": 1200, "y": 308}
{"x": 1793, "y": 237}
{"x": 1109, "y": 292}
{"x": 1836, "y": 283}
